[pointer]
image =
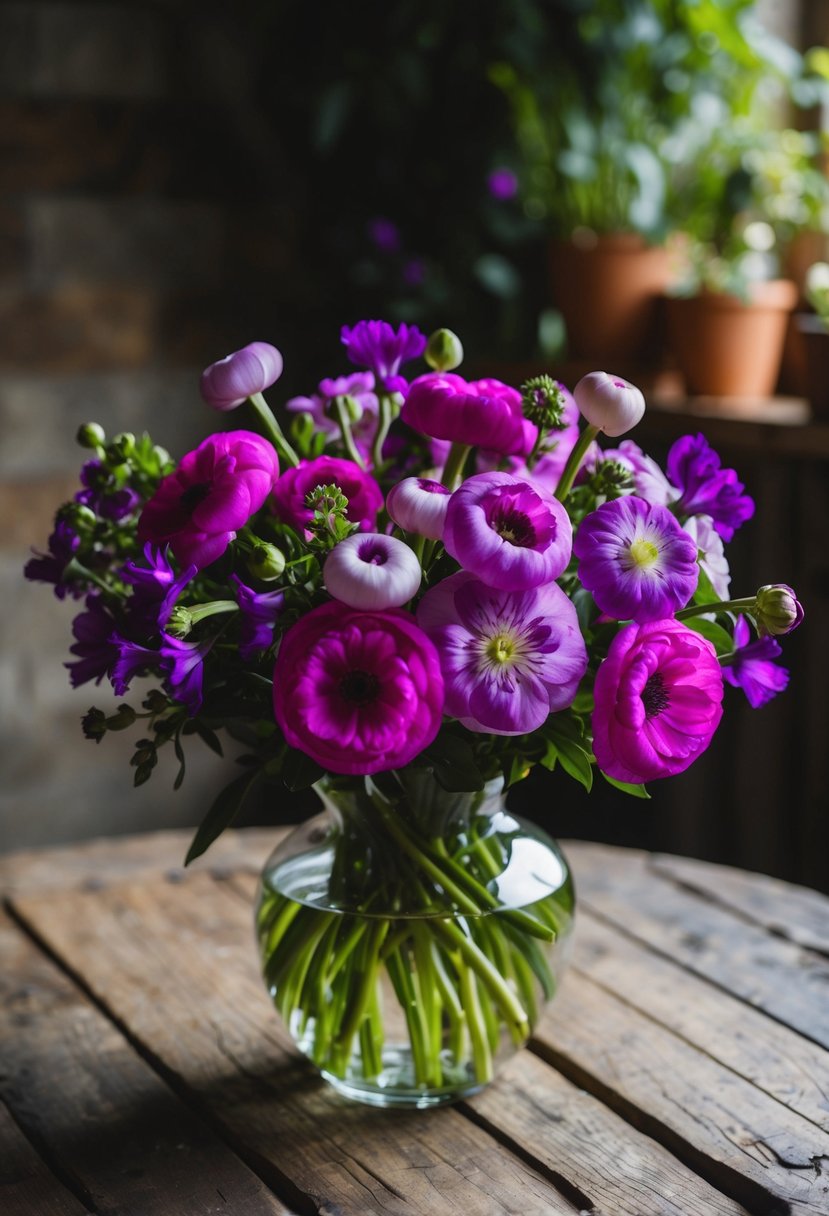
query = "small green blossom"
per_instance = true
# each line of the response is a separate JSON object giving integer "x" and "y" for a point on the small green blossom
{"x": 543, "y": 403}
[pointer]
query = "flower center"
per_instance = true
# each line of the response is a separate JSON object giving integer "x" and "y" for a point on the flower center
{"x": 373, "y": 554}
{"x": 643, "y": 553}
{"x": 514, "y": 527}
{"x": 501, "y": 648}
{"x": 655, "y": 696}
{"x": 359, "y": 687}
{"x": 195, "y": 494}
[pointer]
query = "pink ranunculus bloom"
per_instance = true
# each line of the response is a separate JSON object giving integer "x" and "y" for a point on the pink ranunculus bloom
{"x": 215, "y": 490}
{"x": 365, "y": 498}
{"x": 228, "y": 383}
{"x": 481, "y": 413}
{"x": 658, "y": 701}
{"x": 359, "y": 692}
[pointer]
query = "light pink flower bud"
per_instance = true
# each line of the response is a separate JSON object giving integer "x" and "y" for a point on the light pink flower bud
{"x": 228, "y": 383}
{"x": 419, "y": 505}
{"x": 609, "y": 402}
{"x": 372, "y": 571}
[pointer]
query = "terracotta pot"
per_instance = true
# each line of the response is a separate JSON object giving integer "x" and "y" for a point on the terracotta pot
{"x": 815, "y": 338}
{"x": 609, "y": 293}
{"x": 728, "y": 347}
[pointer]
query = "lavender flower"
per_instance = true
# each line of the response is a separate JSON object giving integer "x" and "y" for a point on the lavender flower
{"x": 636, "y": 559}
{"x": 753, "y": 667}
{"x": 705, "y": 488}
{"x": 51, "y": 567}
{"x": 372, "y": 571}
{"x": 649, "y": 482}
{"x": 259, "y": 611}
{"x": 710, "y": 553}
{"x": 418, "y": 504}
{"x": 93, "y": 644}
{"x": 508, "y": 658}
{"x": 101, "y": 495}
{"x": 777, "y": 609}
{"x": 360, "y": 388}
{"x": 609, "y": 403}
{"x": 375, "y": 345}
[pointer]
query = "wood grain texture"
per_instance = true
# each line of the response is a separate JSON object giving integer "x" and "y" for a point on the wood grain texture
{"x": 27, "y": 1185}
{"x": 115, "y": 1132}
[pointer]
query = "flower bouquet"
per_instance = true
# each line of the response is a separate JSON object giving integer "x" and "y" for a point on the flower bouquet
{"x": 420, "y": 591}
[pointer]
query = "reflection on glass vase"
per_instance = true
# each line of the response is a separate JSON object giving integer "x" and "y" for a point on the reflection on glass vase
{"x": 410, "y": 937}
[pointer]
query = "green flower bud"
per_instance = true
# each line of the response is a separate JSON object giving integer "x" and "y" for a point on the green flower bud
{"x": 776, "y": 610}
{"x": 94, "y": 724}
{"x": 543, "y": 401}
{"x": 180, "y": 622}
{"x": 266, "y": 562}
{"x": 444, "y": 351}
{"x": 91, "y": 435}
{"x": 121, "y": 448}
{"x": 80, "y": 517}
{"x": 353, "y": 409}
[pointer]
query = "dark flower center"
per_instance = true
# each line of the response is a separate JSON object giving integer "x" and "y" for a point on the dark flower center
{"x": 195, "y": 494}
{"x": 373, "y": 554}
{"x": 655, "y": 696}
{"x": 515, "y": 527}
{"x": 359, "y": 687}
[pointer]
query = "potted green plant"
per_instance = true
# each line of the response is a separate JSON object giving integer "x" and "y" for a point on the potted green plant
{"x": 813, "y": 328}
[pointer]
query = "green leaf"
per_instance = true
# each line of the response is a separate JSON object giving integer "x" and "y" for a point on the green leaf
{"x": 179, "y": 750}
{"x": 453, "y": 763}
{"x": 209, "y": 737}
{"x": 720, "y": 638}
{"x": 636, "y": 791}
{"x": 575, "y": 761}
{"x": 705, "y": 593}
{"x": 299, "y": 771}
{"x": 222, "y": 813}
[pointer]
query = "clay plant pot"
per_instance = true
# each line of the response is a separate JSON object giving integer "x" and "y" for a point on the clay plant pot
{"x": 728, "y": 347}
{"x": 815, "y": 338}
{"x": 609, "y": 291}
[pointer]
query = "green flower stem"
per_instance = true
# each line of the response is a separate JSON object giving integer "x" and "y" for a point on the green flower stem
{"x": 453, "y": 469}
{"x": 365, "y": 975}
{"x": 401, "y": 980}
{"x": 76, "y": 572}
{"x": 341, "y": 418}
{"x": 568, "y": 475}
{"x": 478, "y": 1035}
{"x": 346, "y": 947}
{"x": 426, "y": 987}
{"x": 485, "y": 899}
{"x": 272, "y": 429}
{"x": 523, "y": 974}
{"x": 722, "y": 606}
{"x": 474, "y": 957}
{"x": 425, "y": 863}
{"x": 371, "y": 1038}
{"x": 453, "y": 1008}
{"x": 387, "y": 413}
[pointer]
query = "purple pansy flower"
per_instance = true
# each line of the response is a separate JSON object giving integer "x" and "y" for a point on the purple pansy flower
{"x": 481, "y": 413}
{"x": 706, "y": 489}
{"x": 509, "y": 534}
{"x": 753, "y": 667}
{"x": 50, "y": 567}
{"x": 259, "y": 611}
{"x": 636, "y": 560}
{"x": 93, "y": 644}
{"x": 508, "y": 658}
{"x": 365, "y": 498}
{"x": 156, "y": 587}
{"x": 375, "y": 345}
{"x": 360, "y": 387}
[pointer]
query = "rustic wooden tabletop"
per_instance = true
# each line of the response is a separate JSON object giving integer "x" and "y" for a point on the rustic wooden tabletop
{"x": 682, "y": 1069}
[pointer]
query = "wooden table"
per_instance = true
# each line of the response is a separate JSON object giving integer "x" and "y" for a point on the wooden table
{"x": 683, "y": 1068}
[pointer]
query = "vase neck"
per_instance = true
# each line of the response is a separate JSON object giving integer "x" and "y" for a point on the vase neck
{"x": 414, "y": 796}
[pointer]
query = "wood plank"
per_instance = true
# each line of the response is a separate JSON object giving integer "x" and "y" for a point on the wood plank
{"x": 797, "y": 913}
{"x": 777, "y": 1060}
{"x": 175, "y": 963}
{"x": 739, "y": 1139}
{"x": 112, "y": 859}
{"x": 27, "y": 1185}
{"x": 75, "y": 1085}
{"x": 786, "y": 981}
{"x": 615, "y": 1167}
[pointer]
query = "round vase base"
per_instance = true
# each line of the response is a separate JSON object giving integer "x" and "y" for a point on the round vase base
{"x": 393, "y": 1096}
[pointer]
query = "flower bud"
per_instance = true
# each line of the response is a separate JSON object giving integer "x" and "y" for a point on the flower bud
{"x": 611, "y": 404}
{"x": 78, "y": 515}
{"x": 91, "y": 435}
{"x": 180, "y": 622}
{"x": 266, "y": 562}
{"x": 372, "y": 571}
{"x": 776, "y": 610}
{"x": 121, "y": 448}
{"x": 419, "y": 505}
{"x": 350, "y": 406}
{"x": 444, "y": 351}
{"x": 228, "y": 383}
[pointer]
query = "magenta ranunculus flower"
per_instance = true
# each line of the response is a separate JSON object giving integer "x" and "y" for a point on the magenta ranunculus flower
{"x": 359, "y": 692}
{"x": 658, "y": 701}
{"x": 706, "y": 489}
{"x": 365, "y": 498}
{"x": 636, "y": 560}
{"x": 215, "y": 490}
{"x": 753, "y": 666}
{"x": 481, "y": 413}
{"x": 418, "y": 504}
{"x": 382, "y": 349}
{"x": 509, "y": 658}
{"x": 510, "y": 534}
{"x": 228, "y": 383}
{"x": 372, "y": 571}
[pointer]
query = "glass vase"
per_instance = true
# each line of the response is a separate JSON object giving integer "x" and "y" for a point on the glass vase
{"x": 410, "y": 937}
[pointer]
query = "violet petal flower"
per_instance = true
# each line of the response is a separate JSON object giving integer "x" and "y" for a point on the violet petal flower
{"x": 382, "y": 349}
{"x": 481, "y": 413}
{"x": 705, "y": 488}
{"x": 50, "y": 567}
{"x": 754, "y": 668}
{"x": 156, "y": 587}
{"x": 509, "y": 534}
{"x": 658, "y": 701}
{"x": 228, "y": 383}
{"x": 372, "y": 571}
{"x": 365, "y": 498}
{"x": 508, "y": 658}
{"x": 359, "y": 692}
{"x": 93, "y": 644}
{"x": 259, "y": 611}
{"x": 184, "y": 665}
{"x": 649, "y": 482}
{"x": 636, "y": 560}
{"x": 360, "y": 387}
{"x": 132, "y": 660}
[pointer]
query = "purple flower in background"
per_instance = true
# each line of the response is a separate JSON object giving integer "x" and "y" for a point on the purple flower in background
{"x": 649, "y": 482}
{"x": 375, "y": 345}
{"x": 119, "y": 504}
{"x": 753, "y": 667}
{"x": 228, "y": 383}
{"x": 414, "y": 272}
{"x": 184, "y": 665}
{"x": 636, "y": 560}
{"x": 508, "y": 658}
{"x": 96, "y": 651}
{"x": 259, "y": 610}
{"x": 710, "y": 553}
{"x": 51, "y": 567}
{"x": 705, "y": 488}
{"x": 132, "y": 660}
{"x": 502, "y": 183}
{"x": 658, "y": 698}
{"x": 384, "y": 234}
{"x": 481, "y": 413}
{"x": 365, "y": 498}
{"x": 156, "y": 587}
{"x": 509, "y": 534}
{"x": 100, "y": 495}
{"x": 360, "y": 387}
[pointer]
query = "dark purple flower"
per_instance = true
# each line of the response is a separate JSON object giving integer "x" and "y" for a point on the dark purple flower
{"x": 184, "y": 665}
{"x": 132, "y": 660}
{"x": 365, "y": 498}
{"x": 50, "y": 567}
{"x": 414, "y": 272}
{"x": 706, "y": 489}
{"x": 259, "y": 610}
{"x": 119, "y": 504}
{"x": 93, "y": 645}
{"x": 753, "y": 667}
{"x": 384, "y": 234}
{"x": 375, "y": 345}
{"x": 156, "y": 587}
{"x": 636, "y": 560}
{"x": 502, "y": 183}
